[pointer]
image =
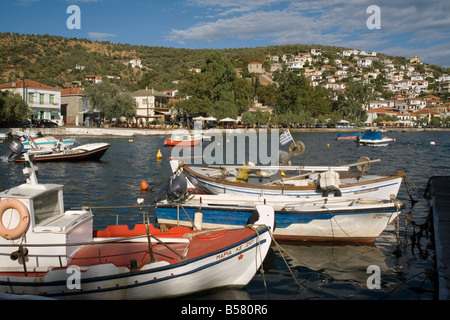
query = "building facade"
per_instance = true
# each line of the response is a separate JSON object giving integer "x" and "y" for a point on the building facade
{"x": 44, "y": 101}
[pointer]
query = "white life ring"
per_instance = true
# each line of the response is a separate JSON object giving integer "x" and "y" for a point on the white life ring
{"x": 24, "y": 222}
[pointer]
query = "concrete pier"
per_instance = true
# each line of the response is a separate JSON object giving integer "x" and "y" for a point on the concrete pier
{"x": 439, "y": 192}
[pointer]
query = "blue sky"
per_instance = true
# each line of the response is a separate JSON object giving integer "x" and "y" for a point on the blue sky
{"x": 408, "y": 27}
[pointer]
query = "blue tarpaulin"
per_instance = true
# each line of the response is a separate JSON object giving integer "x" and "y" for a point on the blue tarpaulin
{"x": 372, "y": 135}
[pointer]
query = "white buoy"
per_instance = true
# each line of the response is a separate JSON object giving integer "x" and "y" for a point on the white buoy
{"x": 432, "y": 143}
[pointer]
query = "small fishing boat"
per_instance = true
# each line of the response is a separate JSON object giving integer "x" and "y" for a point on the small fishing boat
{"x": 348, "y": 136}
{"x": 85, "y": 152}
{"x": 182, "y": 138}
{"x": 47, "y": 142}
{"x": 326, "y": 219}
{"x": 318, "y": 181}
{"x": 373, "y": 139}
{"x": 46, "y": 251}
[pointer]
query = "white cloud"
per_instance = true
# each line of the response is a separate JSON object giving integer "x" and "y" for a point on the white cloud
{"x": 412, "y": 24}
{"x": 101, "y": 36}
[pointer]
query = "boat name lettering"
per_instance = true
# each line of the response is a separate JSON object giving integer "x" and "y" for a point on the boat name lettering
{"x": 381, "y": 215}
{"x": 237, "y": 249}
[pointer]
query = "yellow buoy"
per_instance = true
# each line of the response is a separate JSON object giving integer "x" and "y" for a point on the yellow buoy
{"x": 159, "y": 155}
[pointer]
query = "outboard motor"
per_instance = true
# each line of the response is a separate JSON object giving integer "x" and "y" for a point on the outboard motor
{"x": 176, "y": 188}
{"x": 14, "y": 151}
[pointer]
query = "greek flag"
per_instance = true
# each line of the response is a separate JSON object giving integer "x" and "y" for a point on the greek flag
{"x": 285, "y": 138}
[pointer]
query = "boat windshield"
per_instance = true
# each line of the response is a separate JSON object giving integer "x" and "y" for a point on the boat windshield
{"x": 46, "y": 206}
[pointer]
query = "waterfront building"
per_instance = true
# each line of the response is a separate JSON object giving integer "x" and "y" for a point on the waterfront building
{"x": 44, "y": 101}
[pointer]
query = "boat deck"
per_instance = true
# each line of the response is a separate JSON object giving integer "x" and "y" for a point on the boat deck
{"x": 136, "y": 255}
{"x": 440, "y": 209}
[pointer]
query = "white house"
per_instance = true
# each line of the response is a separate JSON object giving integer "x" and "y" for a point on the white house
{"x": 135, "y": 63}
{"x": 151, "y": 105}
{"x": 364, "y": 63}
{"x": 44, "y": 101}
{"x": 316, "y": 52}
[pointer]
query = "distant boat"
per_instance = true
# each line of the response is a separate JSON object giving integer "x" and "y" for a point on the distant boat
{"x": 184, "y": 139}
{"x": 86, "y": 152}
{"x": 349, "y": 136}
{"x": 45, "y": 142}
{"x": 374, "y": 139}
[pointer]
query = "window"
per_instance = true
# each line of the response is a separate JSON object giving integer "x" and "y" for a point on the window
{"x": 52, "y": 99}
{"x": 41, "y": 99}
{"x": 30, "y": 97}
{"x": 46, "y": 206}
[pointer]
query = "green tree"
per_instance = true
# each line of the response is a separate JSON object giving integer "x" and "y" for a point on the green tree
{"x": 12, "y": 108}
{"x": 215, "y": 91}
{"x": 123, "y": 105}
{"x": 109, "y": 100}
{"x": 297, "y": 96}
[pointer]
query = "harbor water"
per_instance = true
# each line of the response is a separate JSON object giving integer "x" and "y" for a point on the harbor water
{"x": 403, "y": 254}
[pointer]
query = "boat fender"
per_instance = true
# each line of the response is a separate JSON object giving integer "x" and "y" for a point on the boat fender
{"x": 24, "y": 222}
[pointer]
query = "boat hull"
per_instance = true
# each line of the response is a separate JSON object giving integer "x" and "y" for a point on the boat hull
{"x": 322, "y": 223}
{"x": 375, "y": 143}
{"x": 380, "y": 187}
{"x": 82, "y": 153}
{"x": 230, "y": 258}
{"x": 173, "y": 143}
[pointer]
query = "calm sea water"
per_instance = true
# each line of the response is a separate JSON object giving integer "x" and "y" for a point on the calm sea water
{"x": 291, "y": 271}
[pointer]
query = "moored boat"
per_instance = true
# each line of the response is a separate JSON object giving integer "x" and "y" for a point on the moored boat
{"x": 182, "y": 138}
{"x": 47, "y": 142}
{"x": 348, "y": 136}
{"x": 46, "y": 251}
{"x": 374, "y": 139}
{"x": 325, "y": 219}
{"x": 319, "y": 182}
{"x": 86, "y": 152}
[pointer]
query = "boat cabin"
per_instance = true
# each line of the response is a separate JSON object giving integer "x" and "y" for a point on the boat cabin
{"x": 33, "y": 224}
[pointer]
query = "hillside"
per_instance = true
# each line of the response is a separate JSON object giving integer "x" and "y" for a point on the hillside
{"x": 53, "y": 60}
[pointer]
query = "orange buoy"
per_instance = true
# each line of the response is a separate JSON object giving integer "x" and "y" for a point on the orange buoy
{"x": 144, "y": 185}
{"x": 159, "y": 155}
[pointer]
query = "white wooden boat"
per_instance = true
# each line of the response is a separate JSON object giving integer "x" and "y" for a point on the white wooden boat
{"x": 45, "y": 251}
{"x": 317, "y": 182}
{"x": 326, "y": 219}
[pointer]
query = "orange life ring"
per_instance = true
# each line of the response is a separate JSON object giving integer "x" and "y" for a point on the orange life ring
{"x": 24, "y": 223}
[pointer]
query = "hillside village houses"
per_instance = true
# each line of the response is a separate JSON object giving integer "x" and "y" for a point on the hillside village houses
{"x": 44, "y": 100}
{"x": 411, "y": 99}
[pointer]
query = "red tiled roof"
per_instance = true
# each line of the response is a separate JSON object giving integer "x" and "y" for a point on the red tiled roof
{"x": 28, "y": 84}
{"x": 71, "y": 91}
